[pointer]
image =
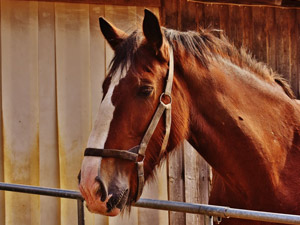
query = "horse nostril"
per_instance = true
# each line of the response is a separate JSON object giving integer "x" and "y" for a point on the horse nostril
{"x": 101, "y": 191}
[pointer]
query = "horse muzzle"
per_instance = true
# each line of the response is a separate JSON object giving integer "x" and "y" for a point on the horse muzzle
{"x": 102, "y": 196}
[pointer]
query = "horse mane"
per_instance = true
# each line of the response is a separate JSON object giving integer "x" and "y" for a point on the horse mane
{"x": 205, "y": 45}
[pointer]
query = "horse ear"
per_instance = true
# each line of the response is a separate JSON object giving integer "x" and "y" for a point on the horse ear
{"x": 113, "y": 35}
{"x": 152, "y": 30}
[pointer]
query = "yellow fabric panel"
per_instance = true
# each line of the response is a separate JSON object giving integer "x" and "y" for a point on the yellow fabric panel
{"x": 73, "y": 96}
{"x": 2, "y": 200}
{"x": 53, "y": 61}
{"x": 19, "y": 50}
{"x": 48, "y": 144}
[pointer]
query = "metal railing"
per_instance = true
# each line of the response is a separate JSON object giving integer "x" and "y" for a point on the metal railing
{"x": 211, "y": 210}
{"x": 54, "y": 192}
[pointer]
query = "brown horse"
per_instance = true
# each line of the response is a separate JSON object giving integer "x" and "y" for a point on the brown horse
{"x": 236, "y": 112}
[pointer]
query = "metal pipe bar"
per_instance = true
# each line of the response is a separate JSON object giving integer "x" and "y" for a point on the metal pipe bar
{"x": 80, "y": 211}
{"x": 218, "y": 211}
{"x": 211, "y": 210}
{"x": 55, "y": 192}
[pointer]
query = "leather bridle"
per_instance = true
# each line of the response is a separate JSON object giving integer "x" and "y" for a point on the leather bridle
{"x": 137, "y": 153}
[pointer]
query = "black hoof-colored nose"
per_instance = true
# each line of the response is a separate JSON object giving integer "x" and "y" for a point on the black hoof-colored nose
{"x": 101, "y": 191}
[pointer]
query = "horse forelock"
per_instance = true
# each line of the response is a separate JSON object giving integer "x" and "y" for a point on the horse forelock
{"x": 125, "y": 54}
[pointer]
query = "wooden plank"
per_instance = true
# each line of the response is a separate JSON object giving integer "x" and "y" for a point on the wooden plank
{"x": 176, "y": 184}
{"x": 163, "y": 191}
{"x": 149, "y": 216}
{"x": 259, "y": 34}
{"x": 211, "y": 16}
{"x": 294, "y": 54}
{"x": 282, "y": 43}
{"x": 144, "y": 3}
{"x": 235, "y": 34}
{"x": 298, "y": 51}
{"x": 271, "y": 34}
{"x": 47, "y": 113}
{"x": 247, "y": 2}
{"x": 196, "y": 173}
{"x": 224, "y": 15}
{"x": 200, "y": 16}
{"x": 73, "y": 95}
{"x": 247, "y": 25}
{"x": 19, "y": 45}
{"x": 188, "y": 14}
{"x": 169, "y": 13}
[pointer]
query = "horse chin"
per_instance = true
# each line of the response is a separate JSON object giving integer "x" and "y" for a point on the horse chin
{"x": 114, "y": 212}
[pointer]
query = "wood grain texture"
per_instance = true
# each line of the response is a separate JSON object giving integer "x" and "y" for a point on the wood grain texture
{"x": 294, "y": 53}
{"x": 169, "y": 13}
{"x": 271, "y": 34}
{"x": 259, "y": 35}
{"x": 196, "y": 180}
{"x": 298, "y": 52}
{"x": 271, "y": 31}
{"x": 176, "y": 191}
{"x": 188, "y": 16}
{"x": 144, "y": 3}
{"x": 283, "y": 43}
{"x": 247, "y": 39}
{"x": 247, "y": 2}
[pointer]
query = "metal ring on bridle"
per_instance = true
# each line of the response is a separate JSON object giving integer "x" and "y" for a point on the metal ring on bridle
{"x": 168, "y": 96}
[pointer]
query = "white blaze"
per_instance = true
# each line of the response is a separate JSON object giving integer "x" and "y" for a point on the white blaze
{"x": 105, "y": 114}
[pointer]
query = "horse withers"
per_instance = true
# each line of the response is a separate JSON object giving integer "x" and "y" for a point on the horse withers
{"x": 165, "y": 86}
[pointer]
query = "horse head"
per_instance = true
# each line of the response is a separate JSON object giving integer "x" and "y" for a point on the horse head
{"x": 117, "y": 160}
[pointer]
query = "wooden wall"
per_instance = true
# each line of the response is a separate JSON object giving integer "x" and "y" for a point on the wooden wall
{"x": 272, "y": 34}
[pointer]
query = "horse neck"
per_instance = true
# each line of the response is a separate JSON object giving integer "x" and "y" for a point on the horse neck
{"x": 240, "y": 124}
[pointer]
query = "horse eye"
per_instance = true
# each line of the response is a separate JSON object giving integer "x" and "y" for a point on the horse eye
{"x": 145, "y": 91}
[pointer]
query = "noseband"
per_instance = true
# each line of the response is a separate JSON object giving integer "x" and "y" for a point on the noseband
{"x": 137, "y": 153}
